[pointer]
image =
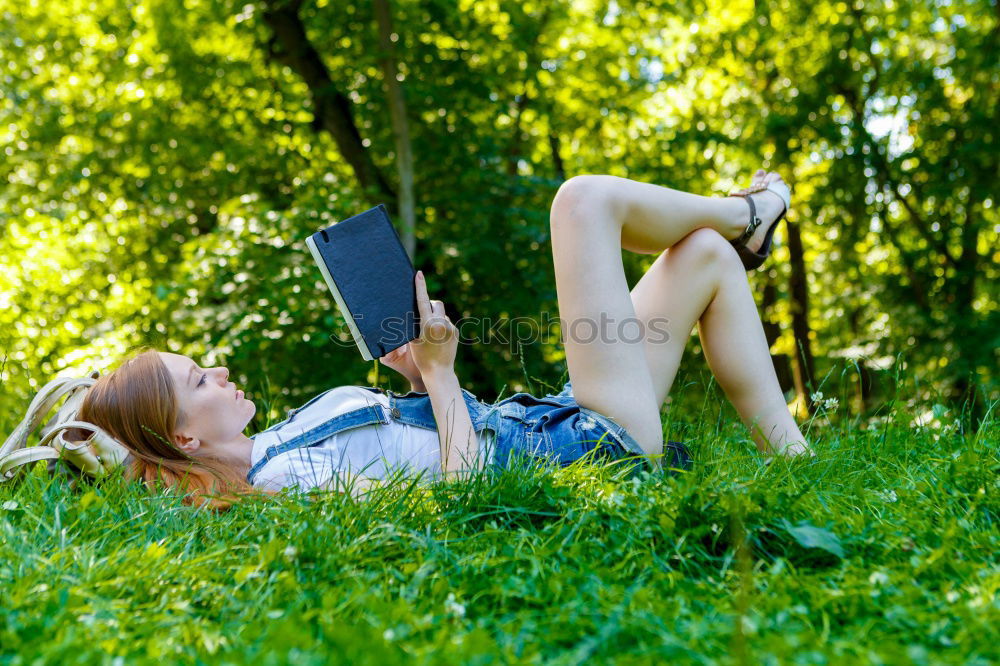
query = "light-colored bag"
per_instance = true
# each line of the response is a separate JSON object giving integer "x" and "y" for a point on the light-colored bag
{"x": 87, "y": 447}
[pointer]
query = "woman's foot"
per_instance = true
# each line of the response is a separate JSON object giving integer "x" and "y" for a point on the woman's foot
{"x": 768, "y": 200}
{"x": 796, "y": 450}
{"x": 769, "y": 207}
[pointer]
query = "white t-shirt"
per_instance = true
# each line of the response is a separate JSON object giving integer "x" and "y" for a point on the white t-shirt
{"x": 372, "y": 451}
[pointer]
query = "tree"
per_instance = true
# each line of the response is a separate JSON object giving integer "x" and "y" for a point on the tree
{"x": 400, "y": 124}
{"x": 162, "y": 169}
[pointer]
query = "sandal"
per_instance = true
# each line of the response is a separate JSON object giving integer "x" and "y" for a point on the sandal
{"x": 751, "y": 259}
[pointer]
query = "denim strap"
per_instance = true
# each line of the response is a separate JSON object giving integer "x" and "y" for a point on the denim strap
{"x": 372, "y": 414}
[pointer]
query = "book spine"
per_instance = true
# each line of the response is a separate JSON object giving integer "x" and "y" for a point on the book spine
{"x": 348, "y": 315}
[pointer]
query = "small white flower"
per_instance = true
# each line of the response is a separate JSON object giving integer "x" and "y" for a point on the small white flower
{"x": 749, "y": 625}
{"x": 453, "y": 606}
{"x": 613, "y": 499}
{"x": 9, "y": 505}
{"x": 291, "y": 552}
{"x": 831, "y": 404}
{"x": 817, "y": 396}
{"x": 388, "y": 634}
{"x": 878, "y": 578}
{"x": 889, "y": 496}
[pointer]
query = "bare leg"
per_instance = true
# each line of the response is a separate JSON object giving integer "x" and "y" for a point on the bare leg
{"x": 656, "y": 217}
{"x": 592, "y": 219}
{"x": 610, "y": 374}
{"x": 673, "y": 295}
{"x": 701, "y": 280}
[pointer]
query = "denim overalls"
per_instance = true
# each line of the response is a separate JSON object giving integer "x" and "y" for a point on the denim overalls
{"x": 554, "y": 427}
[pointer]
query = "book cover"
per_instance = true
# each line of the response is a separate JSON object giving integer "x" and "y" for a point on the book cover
{"x": 371, "y": 279}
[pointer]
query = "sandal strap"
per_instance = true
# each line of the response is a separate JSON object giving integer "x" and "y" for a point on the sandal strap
{"x": 754, "y": 220}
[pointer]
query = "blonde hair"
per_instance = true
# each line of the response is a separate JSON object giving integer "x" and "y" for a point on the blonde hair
{"x": 137, "y": 404}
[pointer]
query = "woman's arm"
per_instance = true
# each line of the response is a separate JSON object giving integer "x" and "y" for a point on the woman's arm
{"x": 434, "y": 354}
{"x": 456, "y": 435}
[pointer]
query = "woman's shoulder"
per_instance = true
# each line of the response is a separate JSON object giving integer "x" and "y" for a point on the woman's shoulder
{"x": 328, "y": 404}
{"x": 350, "y": 396}
{"x": 342, "y": 397}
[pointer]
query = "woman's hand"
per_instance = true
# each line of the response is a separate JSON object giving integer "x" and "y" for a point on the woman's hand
{"x": 435, "y": 349}
{"x": 434, "y": 353}
{"x": 401, "y": 360}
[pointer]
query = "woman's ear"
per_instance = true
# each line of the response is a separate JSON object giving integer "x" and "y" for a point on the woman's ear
{"x": 187, "y": 444}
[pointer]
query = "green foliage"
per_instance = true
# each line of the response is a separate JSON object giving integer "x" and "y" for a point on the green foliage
{"x": 881, "y": 550}
{"x": 162, "y": 167}
{"x": 810, "y": 536}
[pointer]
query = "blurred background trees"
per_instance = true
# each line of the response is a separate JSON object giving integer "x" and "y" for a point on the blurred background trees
{"x": 164, "y": 160}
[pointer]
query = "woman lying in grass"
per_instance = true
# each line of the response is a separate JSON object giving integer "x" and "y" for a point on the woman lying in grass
{"x": 184, "y": 424}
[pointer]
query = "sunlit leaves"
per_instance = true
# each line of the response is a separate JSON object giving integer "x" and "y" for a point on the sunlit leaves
{"x": 161, "y": 168}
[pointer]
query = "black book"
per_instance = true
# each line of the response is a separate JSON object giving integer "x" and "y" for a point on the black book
{"x": 371, "y": 278}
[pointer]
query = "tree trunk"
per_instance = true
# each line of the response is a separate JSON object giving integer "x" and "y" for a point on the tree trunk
{"x": 803, "y": 366}
{"x": 968, "y": 345}
{"x": 331, "y": 107}
{"x": 772, "y": 331}
{"x": 515, "y": 147}
{"x": 400, "y": 126}
{"x": 557, "y": 160}
{"x": 532, "y": 52}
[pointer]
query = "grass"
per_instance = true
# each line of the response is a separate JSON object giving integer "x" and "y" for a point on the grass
{"x": 881, "y": 550}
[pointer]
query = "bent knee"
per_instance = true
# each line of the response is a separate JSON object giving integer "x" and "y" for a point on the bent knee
{"x": 705, "y": 246}
{"x": 579, "y": 194}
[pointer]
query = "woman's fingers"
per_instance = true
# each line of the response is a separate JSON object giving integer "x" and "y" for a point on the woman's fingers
{"x": 433, "y": 319}
{"x": 423, "y": 300}
{"x": 433, "y": 307}
{"x": 438, "y": 339}
{"x": 427, "y": 308}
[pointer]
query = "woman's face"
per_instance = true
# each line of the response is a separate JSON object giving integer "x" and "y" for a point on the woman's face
{"x": 213, "y": 410}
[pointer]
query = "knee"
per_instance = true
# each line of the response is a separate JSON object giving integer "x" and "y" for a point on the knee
{"x": 706, "y": 246}
{"x": 582, "y": 194}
